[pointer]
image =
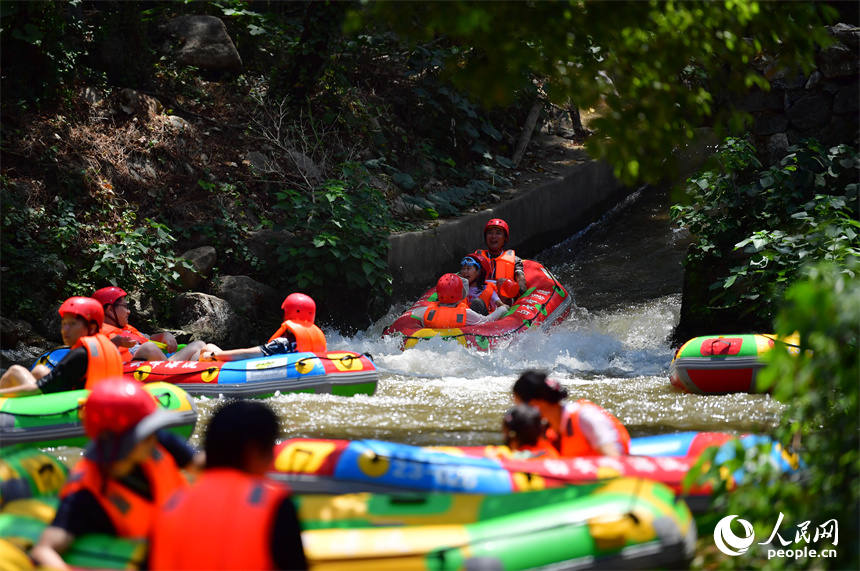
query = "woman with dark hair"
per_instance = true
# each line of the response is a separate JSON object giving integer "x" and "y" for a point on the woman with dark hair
{"x": 582, "y": 428}
{"x": 232, "y": 518}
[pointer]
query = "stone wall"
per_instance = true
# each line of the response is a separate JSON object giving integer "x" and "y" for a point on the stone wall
{"x": 824, "y": 104}
{"x": 538, "y": 219}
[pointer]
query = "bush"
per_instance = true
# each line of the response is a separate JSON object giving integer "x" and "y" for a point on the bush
{"x": 757, "y": 226}
{"x": 819, "y": 384}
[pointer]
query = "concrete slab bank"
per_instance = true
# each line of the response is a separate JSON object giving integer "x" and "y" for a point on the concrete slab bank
{"x": 538, "y": 218}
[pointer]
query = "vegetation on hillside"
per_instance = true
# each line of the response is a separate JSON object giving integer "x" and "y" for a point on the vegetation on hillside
{"x": 349, "y": 107}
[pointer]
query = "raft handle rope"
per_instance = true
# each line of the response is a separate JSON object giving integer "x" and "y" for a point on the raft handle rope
{"x": 526, "y": 322}
{"x": 347, "y": 359}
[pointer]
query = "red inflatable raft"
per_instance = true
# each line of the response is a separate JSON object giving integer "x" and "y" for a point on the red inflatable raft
{"x": 545, "y": 301}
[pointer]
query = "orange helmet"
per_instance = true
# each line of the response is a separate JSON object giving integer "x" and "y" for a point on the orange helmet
{"x": 299, "y": 307}
{"x": 85, "y": 307}
{"x": 108, "y": 295}
{"x": 498, "y": 223}
{"x": 451, "y": 288}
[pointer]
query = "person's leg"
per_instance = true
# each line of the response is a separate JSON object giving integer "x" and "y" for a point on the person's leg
{"x": 16, "y": 376}
{"x": 40, "y": 371}
{"x": 190, "y": 352}
{"x": 478, "y": 306}
{"x": 149, "y": 351}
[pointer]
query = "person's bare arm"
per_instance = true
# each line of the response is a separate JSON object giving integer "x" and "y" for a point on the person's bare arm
{"x": 167, "y": 338}
{"x": 52, "y": 542}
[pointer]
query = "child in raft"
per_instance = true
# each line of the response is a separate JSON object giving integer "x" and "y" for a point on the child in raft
{"x": 483, "y": 297}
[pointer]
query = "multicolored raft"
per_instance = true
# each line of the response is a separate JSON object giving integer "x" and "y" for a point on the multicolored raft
{"x": 373, "y": 466}
{"x": 341, "y": 373}
{"x": 625, "y": 523}
{"x": 54, "y": 419}
{"x": 546, "y": 302}
{"x": 721, "y": 364}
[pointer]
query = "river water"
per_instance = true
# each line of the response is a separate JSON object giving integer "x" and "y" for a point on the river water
{"x": 625, "y": 275}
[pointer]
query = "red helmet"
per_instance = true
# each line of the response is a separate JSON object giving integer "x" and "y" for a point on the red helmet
{"x": 498, "y": 223}
{"x": 116, "y": 405}
{"x": 299, "y": 307}
{"x": 108, "y": 295}
{"x": 451, "y": 288}
{"x": 85, "y": 307}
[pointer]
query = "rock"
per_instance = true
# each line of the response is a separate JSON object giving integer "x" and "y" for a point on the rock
{"x": 48, "y": 325}
{"x": 847, "y": 100}
{"x": 260, "y": 162}
{"x": 838, "y": 61}
{"x": 92, "y": 95}
{"x": 178, "y": 124}
{"x": 264, "y": 244}
{"x": 144, "y": 312}
{"x": 306, "y": 167}
{"x": 202, "y": 41}
{"x": 136, "y": 103}
{"x": 11, "y": 332}
{"x": 847, "y": 34}
{"x": 209, "y": 318}
{"x": 249, "y": 298}
{"x": 777, "y": 148}
{"x": 769, "y": 123}
{"x": 810, "y": 112}
{"x": 202, "y": 261}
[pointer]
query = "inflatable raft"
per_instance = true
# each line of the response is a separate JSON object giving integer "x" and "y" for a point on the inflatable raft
{"x": 341, "y": 373}
{"x": 721, "y": 364}
{"x": 545, "y": 302}
{"x": 341, "y": 466}
{"x": 54, "y": 419}
{"x": 625, "y": 523}
{"x": 27, "y": 472}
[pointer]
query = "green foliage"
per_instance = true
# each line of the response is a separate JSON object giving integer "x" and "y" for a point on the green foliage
{"x": 340, "y": 236}
{"x": 141, "y": 259}
{"x": 662, "y": 67}
{"x": 764, "y": 224}
{"x": 818, "y": 381}
{"x": 41, "y": 45}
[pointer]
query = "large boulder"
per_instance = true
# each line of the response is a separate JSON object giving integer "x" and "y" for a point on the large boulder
{"x": 202, "y": 41}
{"x": 249, "y": 298}
{"x": 202, "y": 261}
{"x": 210, "y": 319}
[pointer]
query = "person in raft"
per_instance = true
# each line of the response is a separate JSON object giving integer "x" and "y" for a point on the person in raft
{"x": 482, "y": 297}
{"x": 129, "y": 469}
{"x": 505, "y": 265}
{"x": 253, "y": 524}
{"x": 136, "y": 345}
{"x": 580, "y": 428}
{"x": 92, "y": 356}
{"x": 451, "y": 308}
{"x": 297, "y": 333}
{"x": 524, "y": 432}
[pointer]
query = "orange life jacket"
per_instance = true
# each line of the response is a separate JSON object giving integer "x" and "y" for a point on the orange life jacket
{"x": 504, "y": 264}
{"x": 572, "y": 439}
{"x": 308, "y": 336}
{"x": 231, "y": 532}
{"x": 132, "y": 515}
{"x": 112, "y": 331}
{"x": 103, "y": 358}
{"x": 487, "y": 296}
{"x": 438, "y": 316}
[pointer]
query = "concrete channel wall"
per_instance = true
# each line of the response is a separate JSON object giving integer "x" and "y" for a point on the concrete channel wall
{"x": 538, "y": 218}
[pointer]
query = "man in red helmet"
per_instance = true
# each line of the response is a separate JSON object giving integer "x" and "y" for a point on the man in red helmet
{"x": 451, "y": 308}
{"x": 92, "y": 356}
{"x": 128, "y": 472}
{"x": 297, "y": 333}
{"x": 132, "y": 343}
{"x": 505, "y": 263}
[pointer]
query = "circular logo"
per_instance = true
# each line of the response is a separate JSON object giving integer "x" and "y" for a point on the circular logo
{"x": 142, "y": 372}
{"x": 372, "y": 464}
{"x": 727, "y": 541}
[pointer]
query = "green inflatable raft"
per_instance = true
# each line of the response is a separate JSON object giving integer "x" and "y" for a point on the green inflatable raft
{"x": 618, "y": 524}
{"x": 54, "y": 419}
